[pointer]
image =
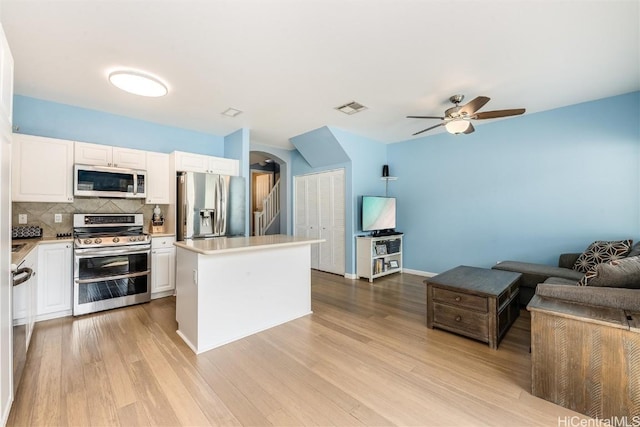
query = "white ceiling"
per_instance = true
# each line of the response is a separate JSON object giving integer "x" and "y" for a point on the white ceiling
{"x": 287, "y": 64}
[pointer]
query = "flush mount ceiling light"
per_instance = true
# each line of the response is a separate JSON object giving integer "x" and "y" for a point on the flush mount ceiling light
{"x": 138, "y": 83}
{"x": 351, "y": 108}
{"x": 231, "y": 112}
{"x": 457, "y": 126}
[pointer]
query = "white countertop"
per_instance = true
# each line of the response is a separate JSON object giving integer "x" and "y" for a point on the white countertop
{"x": 220, "y": 245}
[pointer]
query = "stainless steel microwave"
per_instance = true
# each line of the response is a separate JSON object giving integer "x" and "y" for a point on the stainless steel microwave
{"x": 103, "y": 181}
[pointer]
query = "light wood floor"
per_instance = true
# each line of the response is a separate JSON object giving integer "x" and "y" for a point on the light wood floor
{"x": 364, "y": 357}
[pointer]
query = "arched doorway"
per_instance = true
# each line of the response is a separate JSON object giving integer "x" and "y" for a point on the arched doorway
{"x": 267, "y": 194}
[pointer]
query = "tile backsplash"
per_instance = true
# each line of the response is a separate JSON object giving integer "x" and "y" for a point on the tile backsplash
{"x": 42, "y": 214}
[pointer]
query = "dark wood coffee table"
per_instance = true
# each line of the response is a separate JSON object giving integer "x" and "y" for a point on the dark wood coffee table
{"x": 475, "y": 302}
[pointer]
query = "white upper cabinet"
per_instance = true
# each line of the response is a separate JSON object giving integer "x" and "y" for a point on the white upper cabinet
{"x": 190, "y": 162}
{"x": 6, "y": 80}
{"x": 158, "y": 178}
{"x": 106, "y": 155}
{"x": 34, "y": 155}
{"x": 129, "y": 158}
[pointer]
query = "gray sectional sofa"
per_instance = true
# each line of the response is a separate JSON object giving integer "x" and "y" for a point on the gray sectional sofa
{"x": 563, "y": 274}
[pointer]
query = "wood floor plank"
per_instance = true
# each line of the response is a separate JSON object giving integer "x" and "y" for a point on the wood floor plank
{"x": 48, "y": 410}
{"x": 133, "y": 414}
{"x": 364, "y": 357}
{"x": 288, "y": 385}
{"x": 184, "y": 406}
{"x": 77, "y": 409}
{"x": 114, "y": 357}
{"x": 155, "y": 402}
{"x": 102, "y": 408}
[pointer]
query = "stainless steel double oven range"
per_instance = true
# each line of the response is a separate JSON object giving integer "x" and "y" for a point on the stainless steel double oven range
{"x": 112, "y": 262}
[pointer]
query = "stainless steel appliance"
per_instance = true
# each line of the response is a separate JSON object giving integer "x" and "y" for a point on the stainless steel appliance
{"x": 209, "y": 205}
{"x": 103, "y": 181}
{"x": 23, "y": 318}
{"x": 111, "y": 262}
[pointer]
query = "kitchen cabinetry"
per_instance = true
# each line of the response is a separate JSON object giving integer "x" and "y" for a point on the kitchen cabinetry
{"x": 55, "y": 280}
{"x": 190, "y": 162}
{"x": 319, "y": 214}
{"x": 378, "y": 256}
{"x": 25, "y": 297}
{"x": 32, "y": 156}
{"x": 158, "y": 178}
{"x": 163, "y": 264}
{"x": 106, "y": 155}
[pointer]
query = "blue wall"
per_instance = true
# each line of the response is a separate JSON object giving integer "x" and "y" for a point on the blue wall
{"x": 525, "y": 188}
{"x": 44, "y": 118}
{"x": 320, "y": 147}
{"x": 236, "y": 146}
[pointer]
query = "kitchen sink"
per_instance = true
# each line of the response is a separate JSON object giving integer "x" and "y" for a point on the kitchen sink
{"x": 17, "y": 247}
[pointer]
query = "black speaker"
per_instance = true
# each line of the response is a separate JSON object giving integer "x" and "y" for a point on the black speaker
{"x": 385, "y": 170}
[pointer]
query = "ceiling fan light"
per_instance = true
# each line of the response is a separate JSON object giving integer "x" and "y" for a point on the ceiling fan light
{"x": 138, "y": 83}
{"x": 457, "y": 126}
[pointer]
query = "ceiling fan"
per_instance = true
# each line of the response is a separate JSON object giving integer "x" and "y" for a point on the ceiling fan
{"x": 458, "y": 119}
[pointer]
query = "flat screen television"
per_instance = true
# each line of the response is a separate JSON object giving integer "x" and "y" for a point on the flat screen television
{"x": 378, "y": 213}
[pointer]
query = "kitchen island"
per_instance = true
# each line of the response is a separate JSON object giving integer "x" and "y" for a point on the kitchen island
{"x": 230, "y": 287}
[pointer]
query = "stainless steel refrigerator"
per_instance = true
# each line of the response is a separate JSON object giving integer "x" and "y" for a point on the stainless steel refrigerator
{"x": 210, "y": 205}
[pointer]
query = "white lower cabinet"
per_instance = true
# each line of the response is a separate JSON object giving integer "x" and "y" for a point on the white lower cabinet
{"x": 163, "y": 266}
{"x": 55, "y": 280}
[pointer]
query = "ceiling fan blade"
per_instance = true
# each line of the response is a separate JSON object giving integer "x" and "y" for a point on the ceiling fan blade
{"x": 432, "y": 127}
{"x": 498, "y": 113}
{"x": 425, "y": 117}
{"x": 470, "y": 129}
{"x": 474, "y": 105}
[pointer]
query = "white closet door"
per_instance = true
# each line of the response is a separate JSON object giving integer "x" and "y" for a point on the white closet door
{"x": 331, "y": 197}
{"x": 305, "y": 212}
{"x": 313, "y": 217}
{"x": 338, "y": 221}
{"x": 319, "y": 212}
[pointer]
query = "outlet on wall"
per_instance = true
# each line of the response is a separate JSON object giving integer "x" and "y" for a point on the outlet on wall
{"x": 22, "y": 218}
{"x": 57, "y": 218}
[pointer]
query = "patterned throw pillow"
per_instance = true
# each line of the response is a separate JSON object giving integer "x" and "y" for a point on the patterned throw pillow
{"x": 602, "y": 251}
{"x": 622, "y": 273}
{"x": 586, "y": 279}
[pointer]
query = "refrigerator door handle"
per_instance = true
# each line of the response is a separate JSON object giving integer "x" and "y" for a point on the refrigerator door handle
{"x": 223, "y": 204}
{"x": 216, "y": 219}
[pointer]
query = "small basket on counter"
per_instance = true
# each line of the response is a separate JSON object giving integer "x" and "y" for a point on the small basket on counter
{"x": 26, "y": 232}
{"x": 156, "y": 226}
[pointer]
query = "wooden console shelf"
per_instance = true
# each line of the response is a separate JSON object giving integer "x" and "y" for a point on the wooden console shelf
{"x": 378, "y": 256}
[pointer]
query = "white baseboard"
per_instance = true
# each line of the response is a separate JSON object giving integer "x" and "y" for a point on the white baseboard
{"x": 419, "y": 272}
{"x": 404, "y": 270}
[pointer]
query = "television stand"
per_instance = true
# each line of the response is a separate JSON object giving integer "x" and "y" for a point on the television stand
{"x": 378, "y": 256}
{"x": 384, "y": 233}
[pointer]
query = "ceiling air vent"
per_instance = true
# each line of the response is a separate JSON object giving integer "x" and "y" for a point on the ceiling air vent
{"x": 351, "y": 108}
{"x": 231, "y": 112}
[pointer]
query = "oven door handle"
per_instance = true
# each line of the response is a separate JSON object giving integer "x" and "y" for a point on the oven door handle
{"x": 105, "y": 278}
{"x": 85, "y": 253}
